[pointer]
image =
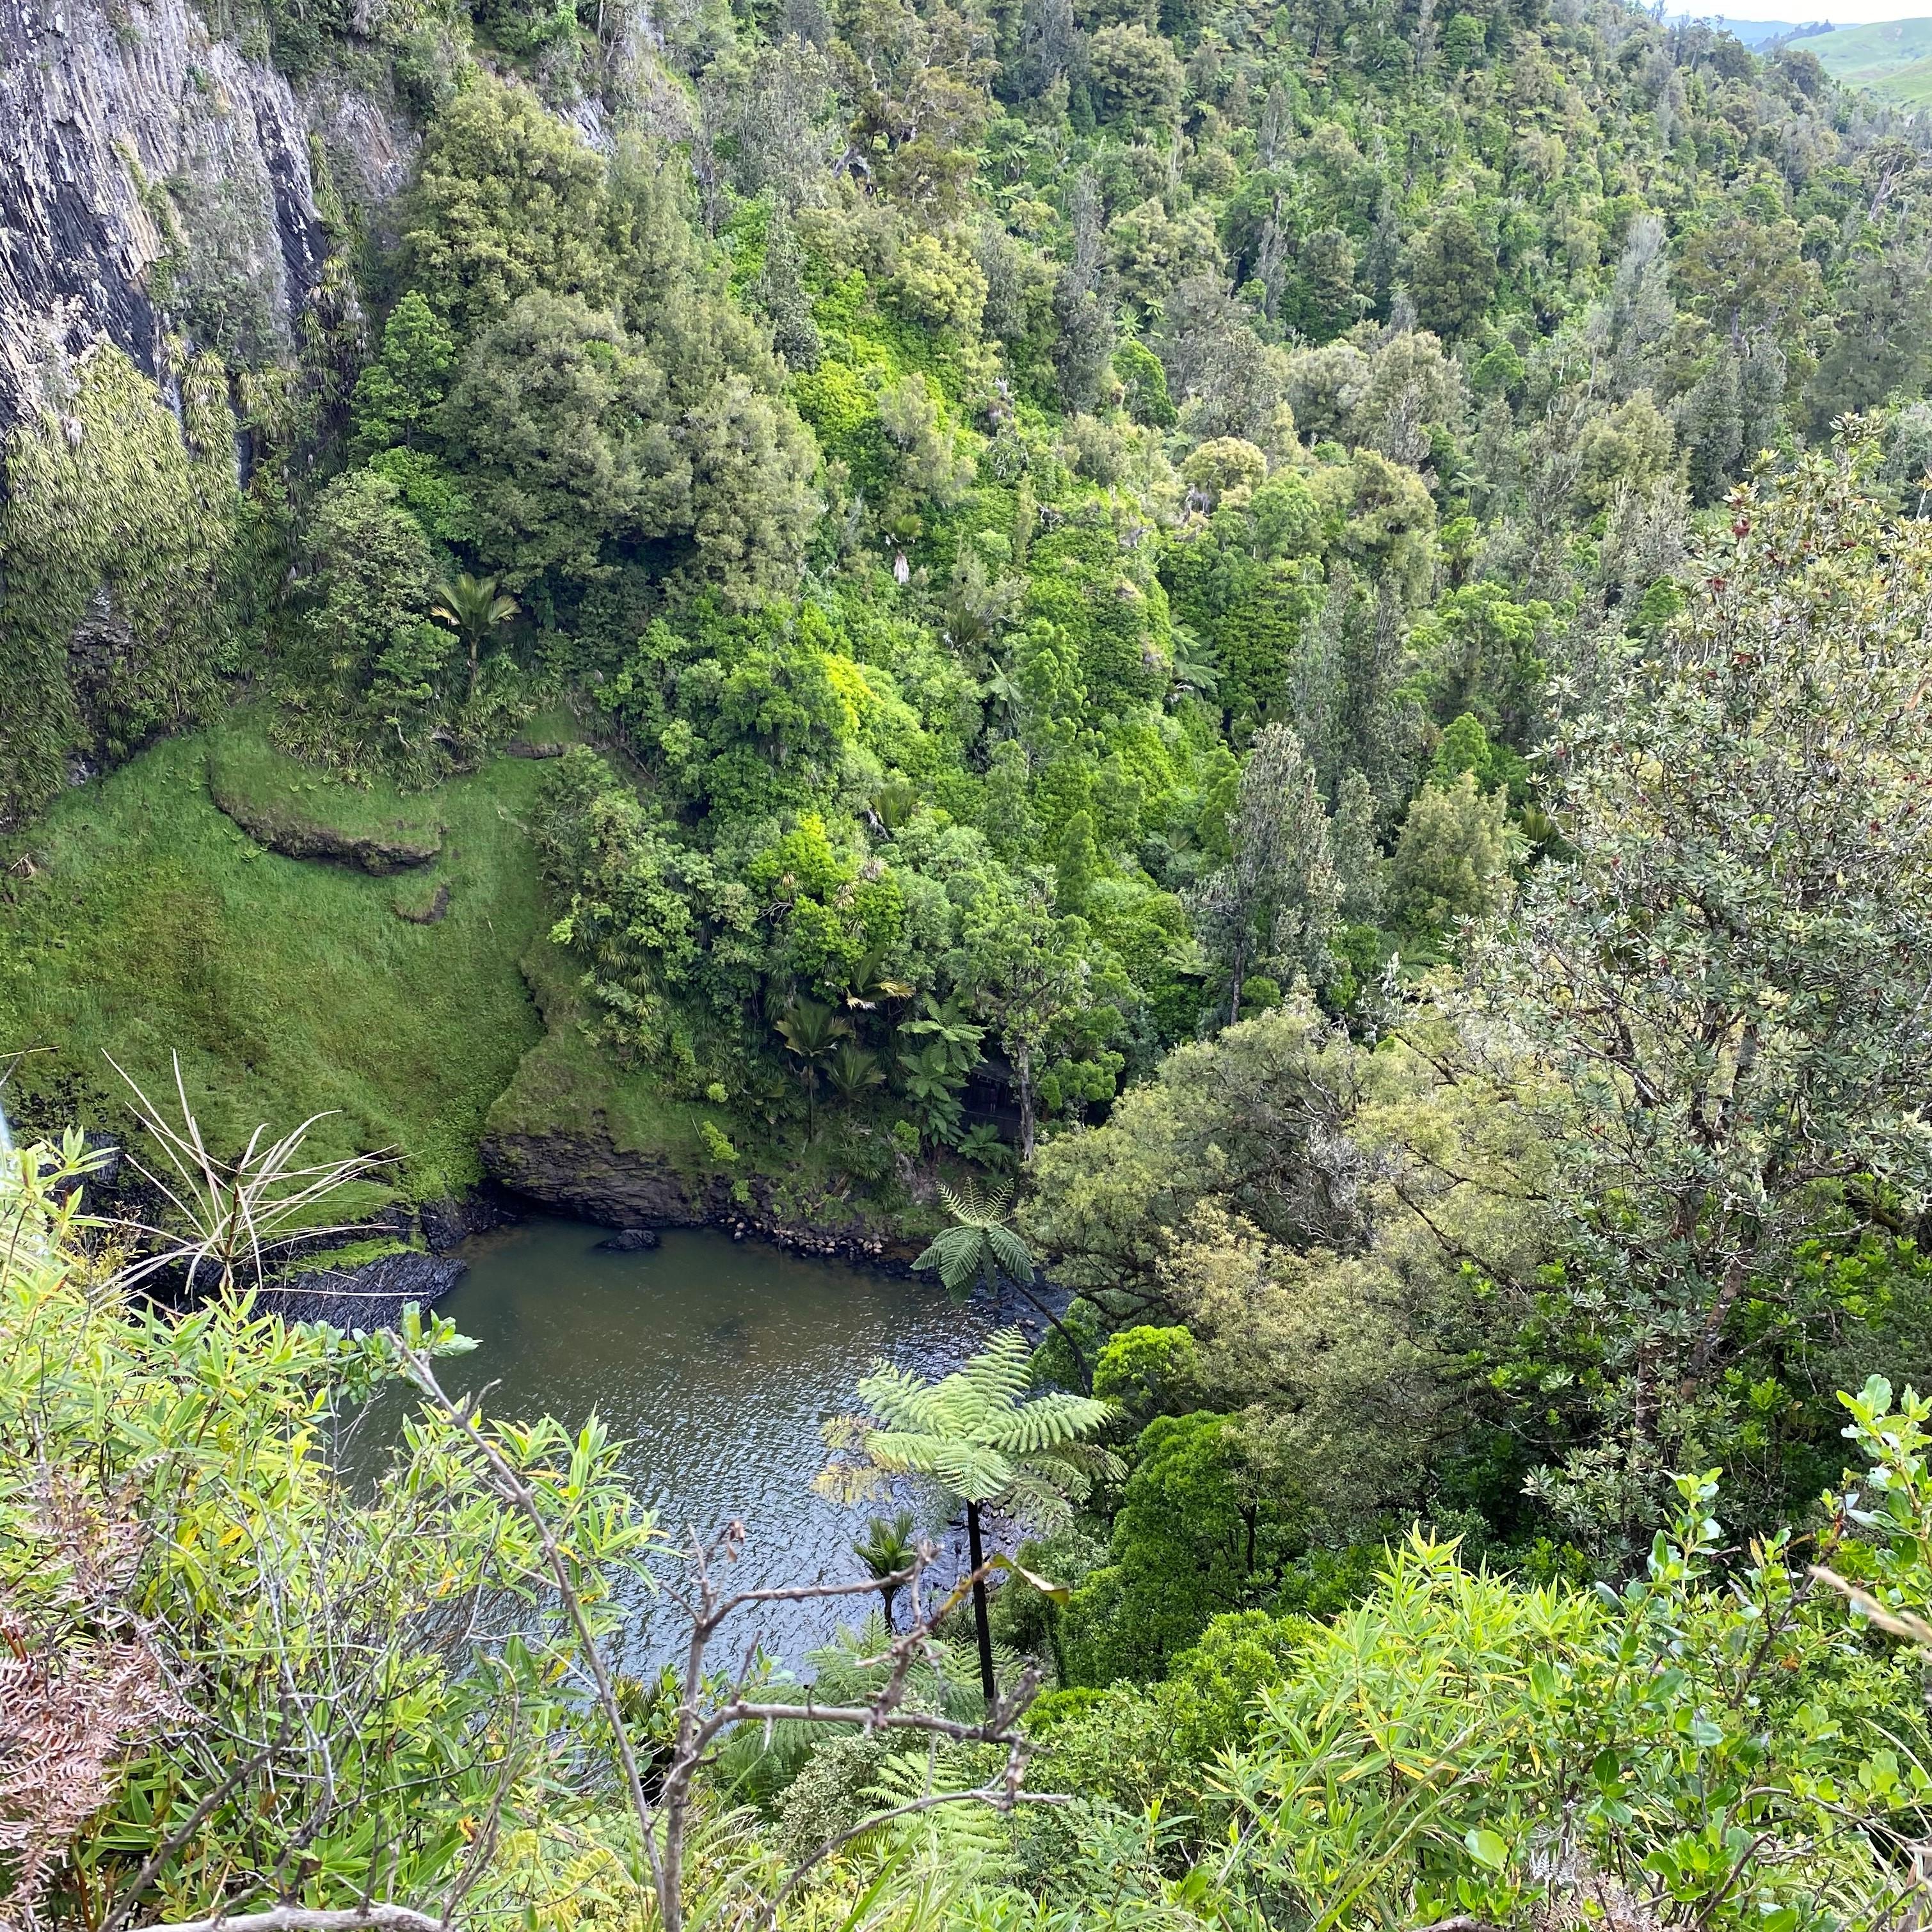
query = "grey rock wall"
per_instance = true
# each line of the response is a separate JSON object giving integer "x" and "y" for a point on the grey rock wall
{"x": 133, "y": 141}
{"x": 585, "y": 1174}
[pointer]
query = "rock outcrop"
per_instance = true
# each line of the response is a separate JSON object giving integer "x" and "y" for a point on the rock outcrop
{"x": 158, "y": 180}
{"x": 395, "y": 849}
{"x": 585, "y": 1174}
{"x": 445, "y": 1224}
{"x": 372, "y": 1296}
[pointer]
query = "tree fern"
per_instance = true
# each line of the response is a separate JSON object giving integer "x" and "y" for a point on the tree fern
{"x": 975, "y": 1436}
{"x": 982, "y": 1246}
{"x": 971, "y": 1840}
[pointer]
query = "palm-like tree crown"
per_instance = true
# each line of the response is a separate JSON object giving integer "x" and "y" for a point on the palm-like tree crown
{"x": 474, "y": 606}
{"x": 980, "y": 1243}
{"x": 810, "y": 1029}
{"x": 974, "y": 1433}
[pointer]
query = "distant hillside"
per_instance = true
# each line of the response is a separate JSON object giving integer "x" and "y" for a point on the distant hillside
{"x": 1758, "y": 35}
{"x": 1894, "y": 60}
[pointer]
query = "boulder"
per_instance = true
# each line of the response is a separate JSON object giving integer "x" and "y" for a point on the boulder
{"x": 584, "y": 1174}
{"x": 630, "y": 1241}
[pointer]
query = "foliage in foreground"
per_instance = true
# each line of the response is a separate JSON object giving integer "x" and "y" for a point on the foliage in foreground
{"x": 239, "y": 1678}
{"x": 343, "y": 1680}
{"x": 278, "y": 1637}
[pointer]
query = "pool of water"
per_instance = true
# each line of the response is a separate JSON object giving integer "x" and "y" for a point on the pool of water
{"x": 715, "y": 1361}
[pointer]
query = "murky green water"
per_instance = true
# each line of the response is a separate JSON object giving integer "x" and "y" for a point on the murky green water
{"x": 716, "y": 1360}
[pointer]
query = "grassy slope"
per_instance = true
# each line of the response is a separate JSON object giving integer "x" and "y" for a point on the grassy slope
{"x": 286, "y": 985}
{"x": 152, "y": 924}
{"x": 1894, "y": 60}
{"x": 277, "y": 795}
{"x": 567, "y": 1083}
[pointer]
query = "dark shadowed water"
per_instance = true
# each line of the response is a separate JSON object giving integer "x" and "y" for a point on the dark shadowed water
{"x": 716, "y": 1360}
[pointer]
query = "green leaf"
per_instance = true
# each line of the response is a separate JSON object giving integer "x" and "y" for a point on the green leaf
{"x": 1489, "y": 1848}
{"x": 1057, "y": 1593}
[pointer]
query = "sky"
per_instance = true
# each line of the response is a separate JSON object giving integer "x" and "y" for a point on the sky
{"x": 1840, "y": 13}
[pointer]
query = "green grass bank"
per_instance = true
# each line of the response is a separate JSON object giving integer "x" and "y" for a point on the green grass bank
{"x": 422, "y": 1007}
{"x": 139, "y": 920}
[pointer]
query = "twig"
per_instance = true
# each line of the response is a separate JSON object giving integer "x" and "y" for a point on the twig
{"x": 1914, "y": 1630}
{"x": 302, "y": 1918}
{"x": 242, "y": 1768}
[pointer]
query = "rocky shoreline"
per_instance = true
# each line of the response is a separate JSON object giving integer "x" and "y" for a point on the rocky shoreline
{"x": 587, "y": 1177}
{"x": 371, "y": 1296}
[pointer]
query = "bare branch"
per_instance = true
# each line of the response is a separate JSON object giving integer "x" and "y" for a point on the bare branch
{"x": 302, "y": 1918}
{"x": 242, "y": 1768}
{"x": 1913, "y": 1629}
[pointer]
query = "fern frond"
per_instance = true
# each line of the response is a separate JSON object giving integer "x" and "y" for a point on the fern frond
{"x": 1002, "y": 1371}
{"x": 1047, "y": 1421}
{"x": 959, "y": 1254}
{"x": 1014, "y": 1257}
{"x": 901, "y": 1401}
{"x": 974, "y": 1203}
{"x": 1034, "y": 1499}
{"x": 968, "y": 1838}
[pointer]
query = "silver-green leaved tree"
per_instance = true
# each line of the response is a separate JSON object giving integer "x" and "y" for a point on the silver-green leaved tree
{"x": 976, "y": 1437}
{"x": 1719, "y": 994}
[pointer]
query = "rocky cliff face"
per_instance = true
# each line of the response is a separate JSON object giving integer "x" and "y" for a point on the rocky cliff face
{"x": 585, "y": 1175}
{"x": 154, "y": 179}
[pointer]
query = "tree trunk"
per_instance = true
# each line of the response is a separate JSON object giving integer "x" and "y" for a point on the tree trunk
{"x": 1737, "y": 1272}
{"x": 1065, "y": 1334}
{"x": 986, "y": 1629}
{"x": 1235, "y": 997}
{"x": 1058, "y": 1648}
{"x": 1024, "y": 1069}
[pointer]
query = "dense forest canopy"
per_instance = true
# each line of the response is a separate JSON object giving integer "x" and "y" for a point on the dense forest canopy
{"x": 1275, "y": 656}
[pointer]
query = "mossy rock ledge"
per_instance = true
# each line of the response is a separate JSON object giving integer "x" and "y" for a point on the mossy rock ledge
{"x": 585, "y": 1174}
{"x": 285, "y": 828}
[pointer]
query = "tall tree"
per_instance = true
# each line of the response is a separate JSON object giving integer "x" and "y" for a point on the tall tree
{"x": 1724, "y": 991}
{"x": 1274, "y": 903}
{"x": 1083, "y": 317}
{"x": 1029, "y": 976}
